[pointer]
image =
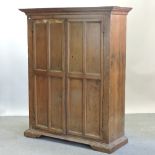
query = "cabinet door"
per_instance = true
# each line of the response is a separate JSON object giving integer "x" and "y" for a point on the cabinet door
{"x": 84, "y": 77}
{"x": 49, "y": 76}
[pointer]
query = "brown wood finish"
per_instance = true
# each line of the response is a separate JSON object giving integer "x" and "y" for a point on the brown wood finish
{"x": 77, "y": 75}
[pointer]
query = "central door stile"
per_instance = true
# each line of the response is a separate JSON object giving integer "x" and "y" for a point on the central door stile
{"x": 66, "y": 72}
{"x": 48, "y": 69}
{"x": 102, "y": 78}
{"x": 84, "y": 80}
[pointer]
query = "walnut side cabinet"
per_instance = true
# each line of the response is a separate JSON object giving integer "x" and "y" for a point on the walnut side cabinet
{"x": 76, "y": 62}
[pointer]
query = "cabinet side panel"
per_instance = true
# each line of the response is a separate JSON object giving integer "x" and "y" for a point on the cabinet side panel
{"x": 41, "y": 101}
{"x": 75, "y": 107}
{"x": 106, "y": 74}
{"x": 92, "y": 113}
{"x": 40, "y": 45}
{"x": 117, "y": 76}
{"x": 31, "y": 75}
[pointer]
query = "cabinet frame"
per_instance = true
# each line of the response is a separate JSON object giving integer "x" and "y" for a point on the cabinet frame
{"x": 112, "y": 74}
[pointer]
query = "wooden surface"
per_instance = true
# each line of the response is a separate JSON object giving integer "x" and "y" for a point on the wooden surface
{"x": 113, "y": 9}
{"x": 77, "y": 75}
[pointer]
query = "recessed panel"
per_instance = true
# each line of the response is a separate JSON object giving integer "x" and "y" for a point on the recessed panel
{"x": 92, "y": 120}
{"x": 75, "y": 46}
{"x": 56, "y": 45}
{"x": 75, "y": 106}
{"x": 40, "y": 45}
{"x": 41, "y": 100}
{"x": 56, "y": 103}
{"x": 93, "y": 52}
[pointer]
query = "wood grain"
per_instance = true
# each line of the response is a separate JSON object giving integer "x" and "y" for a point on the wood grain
{"x": 117, "y": 77}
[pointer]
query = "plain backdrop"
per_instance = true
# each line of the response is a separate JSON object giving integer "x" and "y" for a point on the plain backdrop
{"x": 140, "y": 68}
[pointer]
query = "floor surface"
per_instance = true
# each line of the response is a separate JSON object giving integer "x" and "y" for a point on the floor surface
{"x": 140, "y": 130}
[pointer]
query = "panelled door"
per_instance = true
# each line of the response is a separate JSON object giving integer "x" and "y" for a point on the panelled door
{"x": 84, "y": 74}
{"x": 49, "y": 74}
{"x": 67, "y": 73}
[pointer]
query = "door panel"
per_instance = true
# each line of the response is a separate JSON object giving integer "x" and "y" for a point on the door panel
{"x": 56, "y": 104}
{"x": 41, "y": 101}
{"x": 49, "y": 55}
{"x": 84, "y": 78}
{"x": 40, "y": 45}
{"x": 80, "y": 75}
{"x": 93, "y": 51}
{"x": 75, "y": 106}
{"x": 92, "y": 122}
{"x": 56, "y": 45}
{"x": 75, "y": 46}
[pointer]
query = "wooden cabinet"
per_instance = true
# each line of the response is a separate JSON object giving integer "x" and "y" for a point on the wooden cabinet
{"x": 77, "y": 74}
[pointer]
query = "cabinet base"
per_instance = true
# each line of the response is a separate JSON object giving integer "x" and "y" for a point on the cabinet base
{"x": 32, "y": 133}
{"x": 99, "y": 146}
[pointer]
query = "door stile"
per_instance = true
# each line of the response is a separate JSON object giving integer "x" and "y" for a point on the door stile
{"x": 102, "y": 78}
{"x": 66, "y": 73}
{"x": 65, "y": 76}
{"x": 84, "y": 80}
{"x": 48, "y": 69}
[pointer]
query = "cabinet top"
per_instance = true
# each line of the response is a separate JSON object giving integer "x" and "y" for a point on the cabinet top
{"x": 112, "y": 9}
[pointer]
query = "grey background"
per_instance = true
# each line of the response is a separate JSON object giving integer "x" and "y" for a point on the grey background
{"x": 140, "y": 71}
